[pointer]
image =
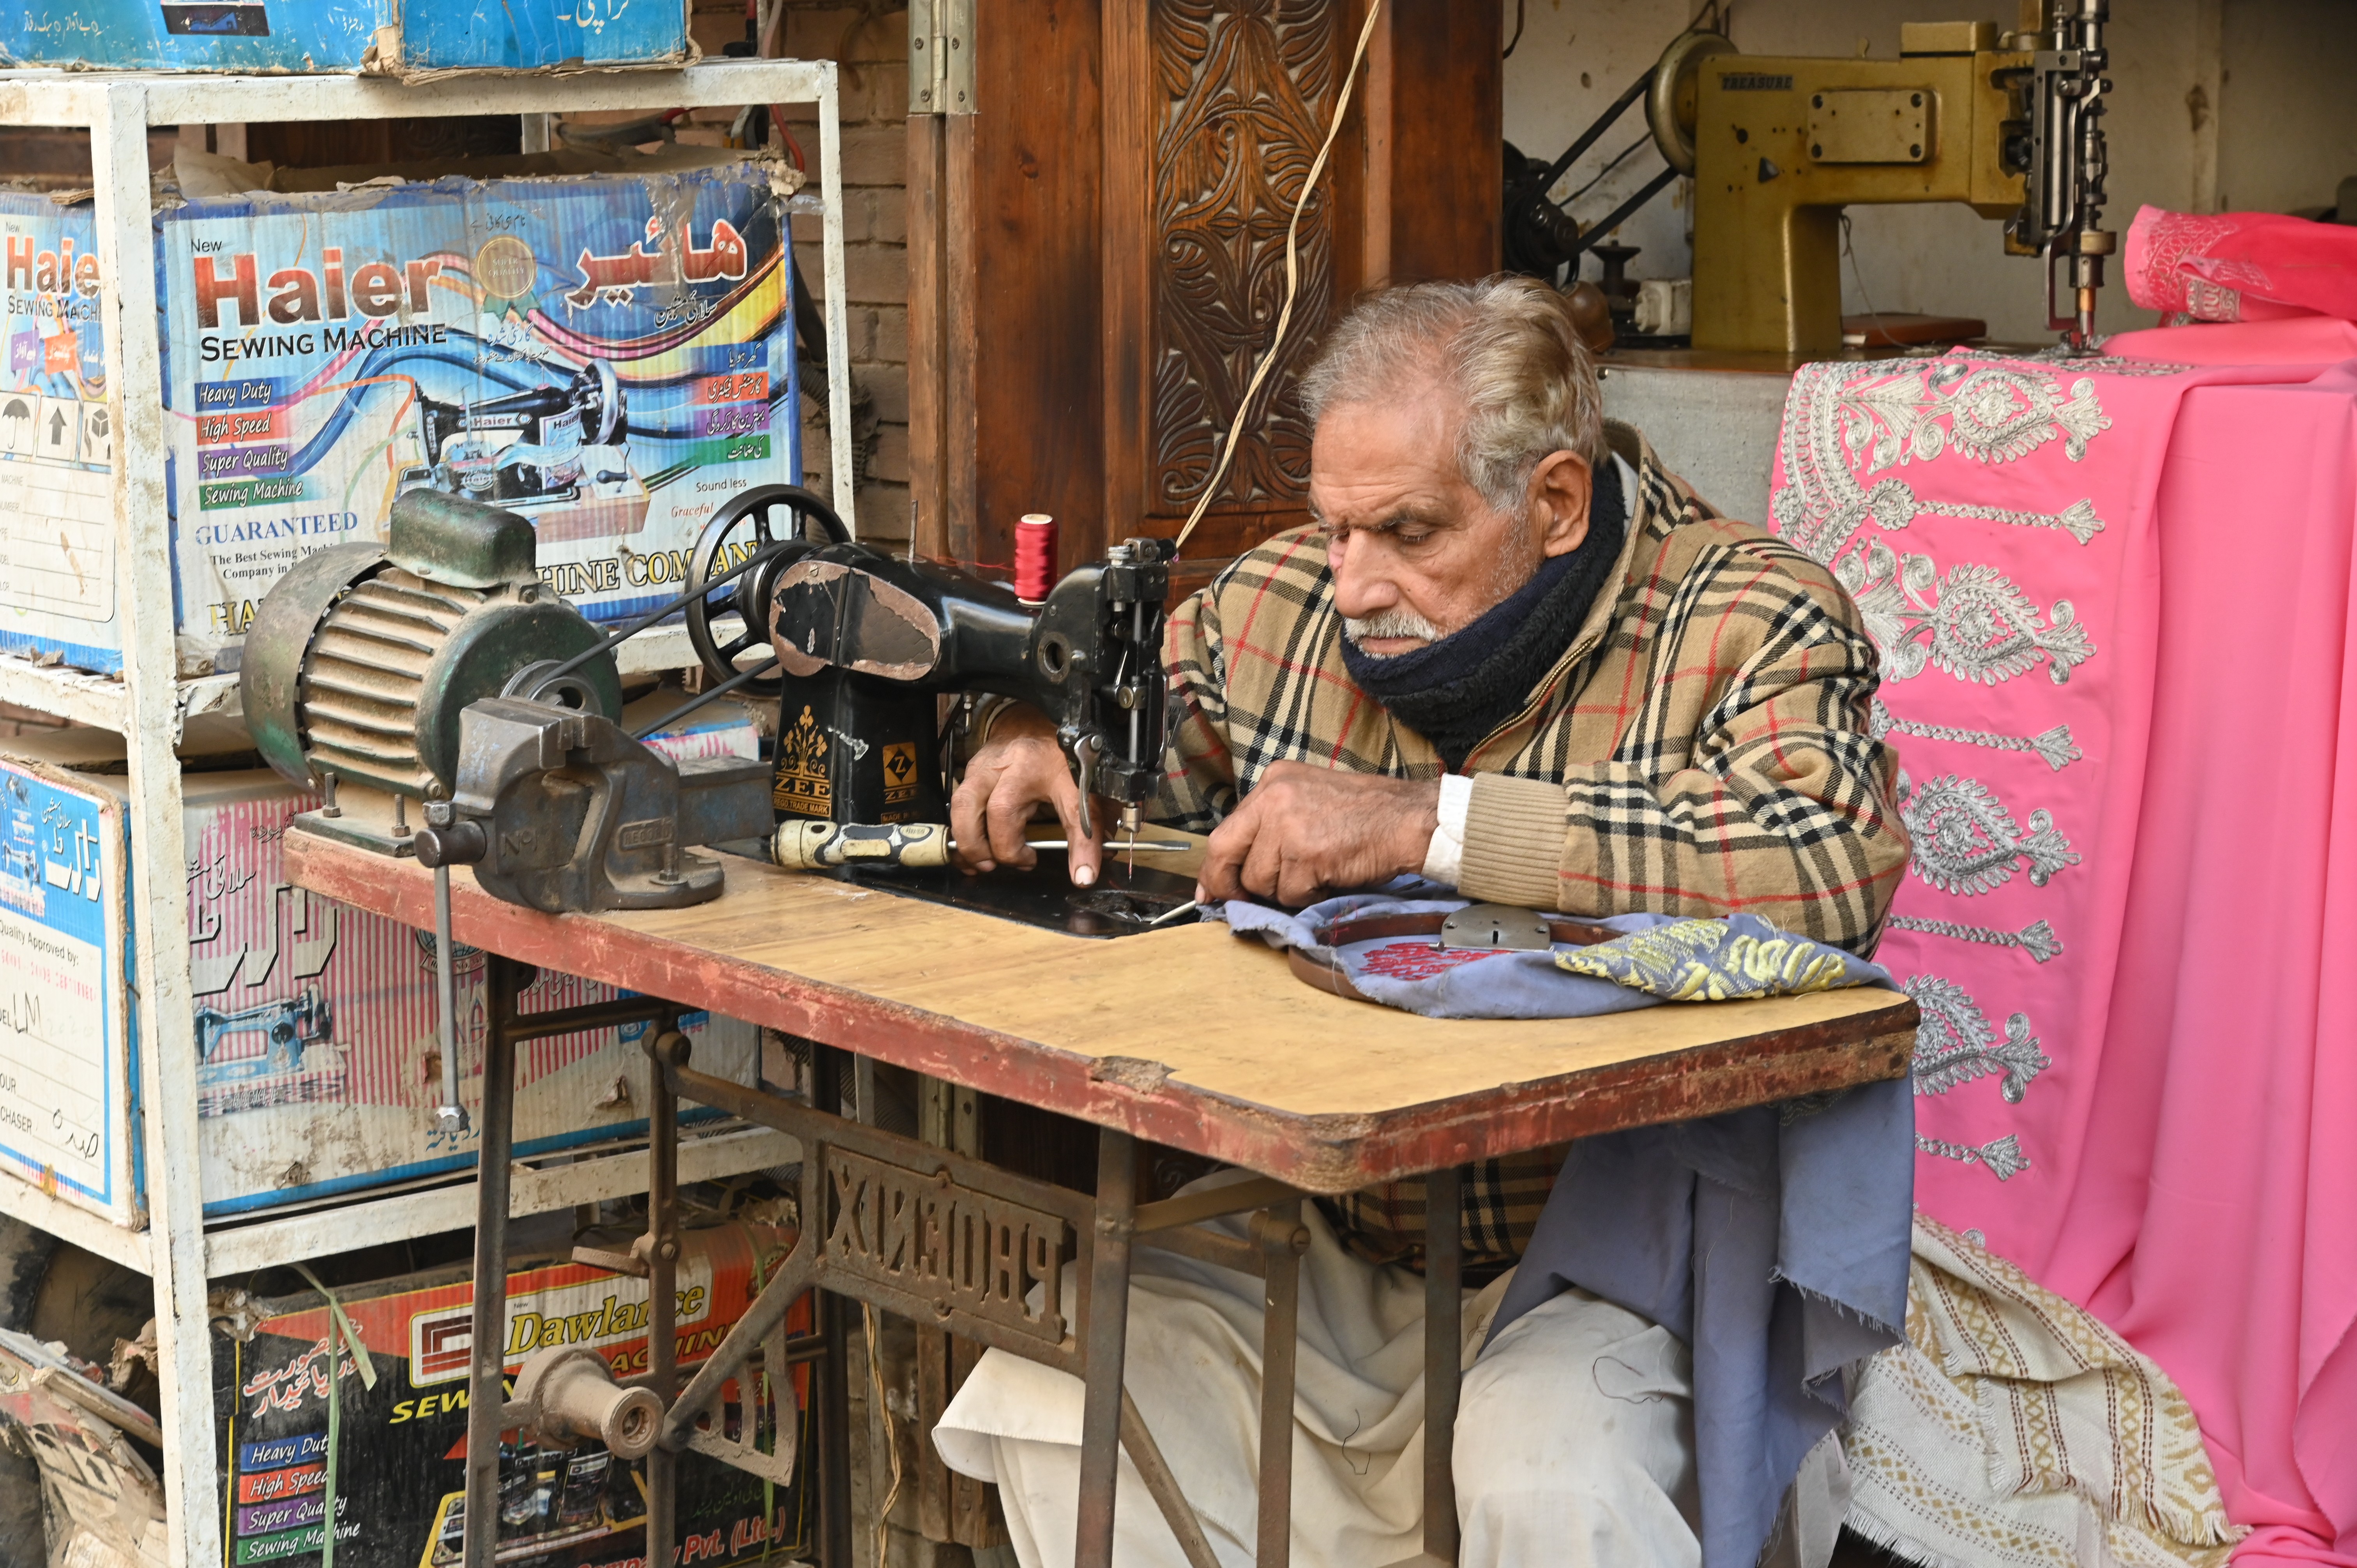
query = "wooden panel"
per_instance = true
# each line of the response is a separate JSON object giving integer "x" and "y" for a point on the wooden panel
{"x": 1243, "y": 95}
{"x": 1116, "y": 1033}
{"x": 1030, "y": 226}
{"x": 1111, "y": 223}
{"x": 1447, "y": 125}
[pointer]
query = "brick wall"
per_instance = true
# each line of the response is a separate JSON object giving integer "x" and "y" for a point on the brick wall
{"x": 873, "y": 45}
{"x": 871, "y": 41}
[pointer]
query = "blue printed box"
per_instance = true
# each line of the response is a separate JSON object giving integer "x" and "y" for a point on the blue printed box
{"x": 610, "y": 357}
{"x": 69, "y": 1084}
{"x": 398, "y": 38}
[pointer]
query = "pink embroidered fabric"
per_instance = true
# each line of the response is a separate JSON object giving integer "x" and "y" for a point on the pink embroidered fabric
{"x": 2113, "y": 597}
{"x": 2240, "y": 266}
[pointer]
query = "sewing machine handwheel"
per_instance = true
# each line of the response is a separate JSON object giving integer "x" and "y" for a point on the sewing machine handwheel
{"x": 753, "y": 521}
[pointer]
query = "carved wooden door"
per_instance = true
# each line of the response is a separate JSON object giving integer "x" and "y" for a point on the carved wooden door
{"x": 1097, "y": 250}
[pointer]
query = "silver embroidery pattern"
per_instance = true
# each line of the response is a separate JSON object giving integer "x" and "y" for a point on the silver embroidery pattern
{"x": 1990, "y": 412}
{"x": 2060, "y": 356}
{"x": 2003, "y": 1156}
{"x": 2055, "y": 746}
{"x": 1974, "y": 622}
{"x": 2036, "y": 939}
{"x": 1956, "y": 1043}
{"x": 1968, "y": 843}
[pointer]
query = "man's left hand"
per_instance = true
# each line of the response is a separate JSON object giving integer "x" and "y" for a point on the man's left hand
{"x": 1303, "y": 832}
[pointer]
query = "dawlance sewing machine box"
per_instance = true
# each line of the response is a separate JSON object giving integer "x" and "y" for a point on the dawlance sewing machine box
{"x": 609, "y": 357}
{"x": 314, "y": 1025}
{"x": 396, "y": 1456}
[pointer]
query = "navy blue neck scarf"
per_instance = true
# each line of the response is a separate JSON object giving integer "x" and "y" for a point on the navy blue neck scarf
{"x": 1455, "y": 693}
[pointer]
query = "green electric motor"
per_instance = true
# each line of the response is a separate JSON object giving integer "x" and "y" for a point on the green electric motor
{"x": 359, "y": 662}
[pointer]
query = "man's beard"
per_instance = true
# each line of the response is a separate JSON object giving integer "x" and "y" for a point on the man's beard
{"x": 1510, "y": 572}
{"x": 1397, "y": 621}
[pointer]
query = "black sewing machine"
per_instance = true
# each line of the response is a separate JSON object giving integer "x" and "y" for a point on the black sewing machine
{"x": 867, "y": 647}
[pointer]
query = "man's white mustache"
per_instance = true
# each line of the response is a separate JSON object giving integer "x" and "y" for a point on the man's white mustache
{"x": 1399, "y": 621}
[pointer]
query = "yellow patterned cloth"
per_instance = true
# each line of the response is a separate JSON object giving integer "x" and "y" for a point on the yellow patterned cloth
{"x": 2014, "y": 1429}
{"x": 1718, "y": 960}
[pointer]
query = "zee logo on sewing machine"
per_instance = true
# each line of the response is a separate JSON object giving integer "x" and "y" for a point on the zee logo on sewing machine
{"x": 899, "y": 772}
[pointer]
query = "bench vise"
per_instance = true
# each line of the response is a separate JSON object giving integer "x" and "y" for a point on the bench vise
{"x": 440, "y": 669}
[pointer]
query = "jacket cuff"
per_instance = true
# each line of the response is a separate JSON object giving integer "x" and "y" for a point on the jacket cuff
{"x": 1514, "y": 841}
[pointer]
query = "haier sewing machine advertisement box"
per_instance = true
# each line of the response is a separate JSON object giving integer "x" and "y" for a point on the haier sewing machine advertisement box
{"x": 56, "y": 446}
{"x": 68, "y": 1080}
{"x": 315, "y": 1030}
{"x": 375, "y": 37}
{"x": 610, "y": 357}
{"x": 397, "y": 1456}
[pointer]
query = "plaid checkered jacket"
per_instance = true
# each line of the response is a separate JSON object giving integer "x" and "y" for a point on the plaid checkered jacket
{"x": 1700, "y": 748}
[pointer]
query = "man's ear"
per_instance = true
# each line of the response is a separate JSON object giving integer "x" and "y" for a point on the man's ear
{"x": 1560, "y": 487}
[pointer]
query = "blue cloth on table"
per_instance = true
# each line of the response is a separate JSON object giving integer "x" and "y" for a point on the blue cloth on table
{"x": 1772, "y": 1241}
{"x": 1657, "y": 959}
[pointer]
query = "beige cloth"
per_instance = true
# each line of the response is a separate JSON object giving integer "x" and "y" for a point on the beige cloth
{"x": 1574, "y": 1443}
{"x": 2013, "y": 1428}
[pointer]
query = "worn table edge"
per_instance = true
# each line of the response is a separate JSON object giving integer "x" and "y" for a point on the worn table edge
{"x": 1321, "y": 1153}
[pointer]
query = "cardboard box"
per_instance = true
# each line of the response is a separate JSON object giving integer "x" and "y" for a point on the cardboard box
{"x": 398, "y": 1455}
{"x": 319, "y": 1062}
{"x": 395, "y": 37}
{"x": 56, "y": 446}
{"x": 610, "y": 356}
{"x": 69, "y": 1078}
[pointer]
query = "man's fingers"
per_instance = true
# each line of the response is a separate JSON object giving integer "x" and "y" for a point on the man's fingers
{"x": 966, "y": 809}
{"x": 1263, "y": 868}
{"x": 1085, "y": 855}
{"x": 1008, "y": 813}
{"x": 1231, "y": 842}
{"x": 1297, "y": 883}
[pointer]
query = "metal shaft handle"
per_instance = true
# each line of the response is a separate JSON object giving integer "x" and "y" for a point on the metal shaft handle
{"x": 446, "y": 996}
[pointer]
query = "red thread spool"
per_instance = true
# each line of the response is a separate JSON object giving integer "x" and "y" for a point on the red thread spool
{"x": 1035, "y": 557}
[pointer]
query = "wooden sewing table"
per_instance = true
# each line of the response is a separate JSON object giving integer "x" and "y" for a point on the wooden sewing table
{"x": 1185, "y": 1035}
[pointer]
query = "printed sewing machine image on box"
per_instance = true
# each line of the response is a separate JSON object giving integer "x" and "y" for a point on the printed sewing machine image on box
{"x": 398, "y": 1451}
{"x": 610, "y": 357}
{"x": 318, "y": 1063}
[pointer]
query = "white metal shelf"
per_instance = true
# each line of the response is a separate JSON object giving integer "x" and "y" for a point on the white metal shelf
{"x": 97, "y": 700}
{"x": 536, "y": 1186}
{"x": 148, "y": 703}
{"x": 22, "y": 1200}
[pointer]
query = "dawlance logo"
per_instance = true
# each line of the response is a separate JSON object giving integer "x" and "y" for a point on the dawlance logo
{"x": 591, "y": 1311}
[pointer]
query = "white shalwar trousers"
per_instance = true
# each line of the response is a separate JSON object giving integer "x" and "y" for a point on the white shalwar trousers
{"x": 1573, "y": 1447}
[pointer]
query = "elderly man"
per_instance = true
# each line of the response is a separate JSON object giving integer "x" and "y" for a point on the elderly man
{"x": 1515, "y": 655}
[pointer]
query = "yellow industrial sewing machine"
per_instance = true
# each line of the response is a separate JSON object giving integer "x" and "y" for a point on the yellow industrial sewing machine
{"x": 2008, "y": 124}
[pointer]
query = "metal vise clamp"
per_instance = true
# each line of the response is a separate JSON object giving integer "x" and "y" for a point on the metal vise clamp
{"x": 560, "y": 810}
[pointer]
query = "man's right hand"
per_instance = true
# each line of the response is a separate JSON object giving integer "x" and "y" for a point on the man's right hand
{"x": 1019, "y": 770}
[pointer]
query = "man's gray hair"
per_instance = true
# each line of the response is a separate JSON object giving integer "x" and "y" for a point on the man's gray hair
{"x": 1505, "y": 345}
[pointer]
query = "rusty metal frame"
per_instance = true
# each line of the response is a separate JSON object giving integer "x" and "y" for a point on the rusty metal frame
{"x": 505, "y": 1028}
{"x": 844, "y": 1243}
